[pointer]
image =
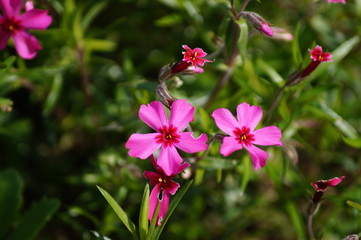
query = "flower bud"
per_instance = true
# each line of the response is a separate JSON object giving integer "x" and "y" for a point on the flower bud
{"x": 259, "y": 23}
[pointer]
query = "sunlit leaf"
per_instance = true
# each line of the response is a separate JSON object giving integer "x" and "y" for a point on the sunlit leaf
{"x": 143, "y": 215}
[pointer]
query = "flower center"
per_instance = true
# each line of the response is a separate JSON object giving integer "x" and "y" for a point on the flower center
{"x": 244, "y": 136}
{"x": 194, "y": 56}
{"x": 10, "y": 24}
{"x": 167, "y": 136}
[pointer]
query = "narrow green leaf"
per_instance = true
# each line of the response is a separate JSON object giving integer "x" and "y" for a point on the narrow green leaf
{"x": 174, "y": 203}
{"x": 103, "y": 45}
{"x": 154, "y": 222}
{"x": 199, "y": 175}
{"x": 217, "y": 163}
{"x": 353, "y": 204}
{"x": 92, "y": 14}
{"x": 98, "y": 235}
{"x": 120, "y": 212}
{"x": 296, "y": 53}
{"x": 143, "y": 216}
{"x": 296, "y": 219}
{"x": 34, "y": 219}
{"x": 219, "y": 175}
{"x": 243, "y": 38}
{"x": 54, "y": 93}
{"x": 10, "y": 198}
{"x": 353, "y": 142}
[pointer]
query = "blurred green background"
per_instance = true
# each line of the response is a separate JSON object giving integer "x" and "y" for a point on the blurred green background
{"x": 67, "y": 114}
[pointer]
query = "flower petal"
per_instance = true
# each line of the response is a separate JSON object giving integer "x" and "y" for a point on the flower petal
{"x": 169, "y": 160}
{"x": 36, "y": 19}
{"x": 229, "y": 145}
{"x": 10, "y": 8}
{"x": 225, "y": 120}
{"x": 181, "y": 113}
{"x": 172, "y": 187}
{"x": 26, "y": 44}
{"x": 153, "y": 201}
{"x": 164, "y": 203}
{"x": 142, "y": 145}
{"x": 4, "y": 38}
{"x": 248, "y": 116}
{"x": 189, "y": 144}
{"x": 266, "y": 136}
{"x": 153, "y": 115}
{"x": 335, "y": 181}
{"x": 258, "y": 156}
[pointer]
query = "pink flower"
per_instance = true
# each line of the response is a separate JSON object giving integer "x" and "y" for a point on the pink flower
{"x": 169, "y": 135}
{"x": 318, "y": 55}
{"x": 322, "y": 185}
{"x": 163, "y": 186}
{"x": 194, "y": 56}
{"x": 14, "y": 25}
{"x": 242, "y": 134}
{"x": 266, "y": 29}
{"x": 336, "y": 1}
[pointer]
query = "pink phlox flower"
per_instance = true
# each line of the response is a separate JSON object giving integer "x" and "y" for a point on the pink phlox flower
{"x": 318, "y": 55}
{"x": 322, "y": 185}
{"x": 241, "y": 132}
{"x": 163, "y": 186}
{"x": 337, "y": 1}
{"x": 16, "y": 25}
{"x": 194, "y": 56}
{"x": 169, "y": 135}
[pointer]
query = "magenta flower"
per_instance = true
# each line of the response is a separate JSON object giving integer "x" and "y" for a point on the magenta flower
{"x": 14, "y": 25}
{"x": 266, "y": 29}
{"x": 242, "y": 134}
{"x": 322, "y": 185}
{"x": 259, "y": 23}
{"x": 163, "y": 186}
{"x": 169, "y": 135}
{"x": 194, "y": 56}
{"x": 337, "y": 1}
{"x": 318, "y": 56}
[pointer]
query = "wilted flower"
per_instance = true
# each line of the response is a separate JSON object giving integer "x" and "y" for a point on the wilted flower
{"x": 14, "y": 25}
{"x": 163, "y": 186}
{"x": 322, "y": 185}
{"x": 169, "y": 135}
{"x": 242, "y": 134}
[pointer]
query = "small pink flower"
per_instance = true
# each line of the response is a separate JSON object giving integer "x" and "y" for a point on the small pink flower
{"x": 318, "y": 55}
{"x": 169, "y": 135}
{"x": 163, "y": 186}
{"x": 242, "y": 134}
{"x": 337, "y": 1}
{"x": 194, "y": 56}
{"x": 14, "y": 25}
{"x": 322, "y": 185}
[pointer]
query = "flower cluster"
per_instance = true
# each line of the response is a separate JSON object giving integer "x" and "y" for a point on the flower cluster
{"x": 16, "y": 25}
{"x": 169, "y": 137}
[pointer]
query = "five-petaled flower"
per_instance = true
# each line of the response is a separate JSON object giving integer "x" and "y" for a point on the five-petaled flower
{"x": 15, "y": 25}
{"x": 322, "y": 185}
{"x": 163, "y": 186}
{"x": 169, "y": 135}
{"x": 191, "y": 57}
{"x": 318, "y": 56}
{"x": 337, "y": 1}
{"x": 242, "y": 134}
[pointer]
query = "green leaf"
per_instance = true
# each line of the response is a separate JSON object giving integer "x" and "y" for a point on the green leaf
{"x": 217, "y": 163}
{"x": 296, "y": 219}
{"x": 243, "y": 38}
{"x": 54, "y": 93}
{"x": 10, "y": 198}
{"x": 296, "y": 53}
{"x": 353, "y": 142}
{"x": 154, "y": 221}
{"x": 246, "y": 173}
{"x": 143, "y": 216}
{"x": 34, "y": 219}
{"x": 92, "y": 14}
{"x": 168, "y": 20}
{"x": 353, "y": 204}
{"x": 120, "y": 212}
{"x": 174, "y": 203}
{"x": 102, "y": 45}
